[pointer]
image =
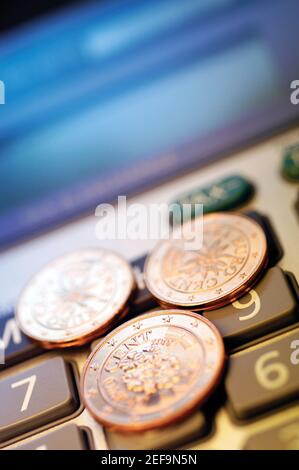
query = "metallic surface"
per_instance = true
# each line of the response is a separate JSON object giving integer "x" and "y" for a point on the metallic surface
{"x": 274, "y": 196}
{"x": 75, "y": 298}
{"x": 231, "y": 257}
{"x": 153, "y": 371}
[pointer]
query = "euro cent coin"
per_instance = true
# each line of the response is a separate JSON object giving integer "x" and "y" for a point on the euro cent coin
{"x": 75, "y": 298}
{"x": 230, "y": 260}
{"x": 153, "y": 370}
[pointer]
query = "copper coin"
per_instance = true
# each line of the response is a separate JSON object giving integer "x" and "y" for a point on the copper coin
{"x": 153, "y": 370}
{"x": 75, "y": 298}
{"x": 231, "y": 259}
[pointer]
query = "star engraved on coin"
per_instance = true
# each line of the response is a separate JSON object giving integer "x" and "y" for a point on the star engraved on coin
{"x": 231, "y": 258}
{"x": 167, "y": 319}
{"x": 154, "y": 376}
{"x": 137, "y": 325}
{"x": 75, "y": 298}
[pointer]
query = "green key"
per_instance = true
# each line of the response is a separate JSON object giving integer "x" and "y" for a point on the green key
{"x": 222, "y": 195}
{"x": 290, "y": 164}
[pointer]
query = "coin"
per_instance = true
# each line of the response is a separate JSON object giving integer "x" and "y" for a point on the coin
{"x": 231, "y": 259}
{"x": 153, "y": 370}
{"x": 75, "y": 298}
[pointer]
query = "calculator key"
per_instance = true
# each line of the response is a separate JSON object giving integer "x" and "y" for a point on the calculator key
{"x": 283, "y": 437}
{"x": 224, "y": 194}
{"x": 35, "y": 397}
{"x": 143, "y": 300}
{"x": 268, "y": 307}
{"x": 14, "y": 345}
{"x": 275, "y": 250}
{"x": 69, "y": 437}
{"x": 265, "y": 376}
{"x": 172, "y": 436}
{"x": 290, "y": 163}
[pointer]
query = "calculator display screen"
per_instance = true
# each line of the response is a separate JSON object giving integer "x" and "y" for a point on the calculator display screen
{"x": 152, "y": 118}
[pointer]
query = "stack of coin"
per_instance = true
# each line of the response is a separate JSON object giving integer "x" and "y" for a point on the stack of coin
{"x": 231, "y": 259}
{"x": 153, "y": 370}
{"x": 75, "y": 298}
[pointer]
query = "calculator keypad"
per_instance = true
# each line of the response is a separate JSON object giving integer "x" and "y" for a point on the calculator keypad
{"x": 258, "y": 379}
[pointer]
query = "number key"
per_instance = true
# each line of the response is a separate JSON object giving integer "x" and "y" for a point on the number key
{"x": 35, "y": 397}
{"x": 266, "y": 308}
{"x": 263, "y": 377}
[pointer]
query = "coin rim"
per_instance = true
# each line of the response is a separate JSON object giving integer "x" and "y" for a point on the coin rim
{"x": 229, "y": 297}
{"x": 96, "y": 331}
{"x": 182, "y": 412}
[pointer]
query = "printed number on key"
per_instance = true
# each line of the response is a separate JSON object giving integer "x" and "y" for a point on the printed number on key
{"x": 254, "y": 300}
{"x": 271, "y": 375}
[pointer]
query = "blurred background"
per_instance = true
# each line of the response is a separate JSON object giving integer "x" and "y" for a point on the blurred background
{"x": 18, "y": 12}
{"x": 111, "y": 97}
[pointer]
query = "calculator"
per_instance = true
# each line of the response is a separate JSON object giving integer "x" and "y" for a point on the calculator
{"x": 160, "y": 101}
